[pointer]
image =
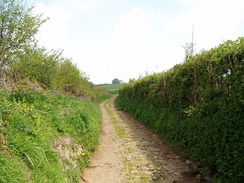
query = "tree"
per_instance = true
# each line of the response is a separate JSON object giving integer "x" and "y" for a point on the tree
{"x": 18, "y": 26}
{"x": 189, "y": 50}
{"x": 190, "y": 47}
{"x": 117, "y": 81}
{"x": 70, "y": 79}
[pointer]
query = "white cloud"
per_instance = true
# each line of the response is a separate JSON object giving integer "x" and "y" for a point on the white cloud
{"x": 74, "y": 5}
{"x": 141, "y": 40}
{"x": 134, "y": 31}
{"x": 144, "y": 43}
{"x": 102, "y": 61}
{"x": 186, "y": 1}
{"x": 54, "y": 32}
{"x": 213, "y": 21}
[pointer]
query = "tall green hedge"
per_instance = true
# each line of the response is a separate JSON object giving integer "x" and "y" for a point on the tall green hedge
{"x": 198, "y": 105}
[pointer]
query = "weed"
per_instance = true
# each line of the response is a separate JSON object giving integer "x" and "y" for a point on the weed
{"x": 31, "y": 122}
{"x": 119, "y": 131}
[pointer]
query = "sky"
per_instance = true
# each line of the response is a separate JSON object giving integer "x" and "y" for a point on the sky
{"x": 126, "y": 39}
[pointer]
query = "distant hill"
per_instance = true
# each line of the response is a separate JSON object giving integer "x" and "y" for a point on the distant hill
{"x": 110, "y": 87}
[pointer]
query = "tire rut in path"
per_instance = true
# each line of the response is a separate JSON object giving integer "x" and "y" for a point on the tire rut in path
{"x": 130, "y": 152}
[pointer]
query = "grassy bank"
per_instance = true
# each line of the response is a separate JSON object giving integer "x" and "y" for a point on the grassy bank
{"x": 46, "y": 137}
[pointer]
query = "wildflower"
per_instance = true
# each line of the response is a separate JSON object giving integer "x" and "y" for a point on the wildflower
{"x": 83, "y": 154}
{"x": 26, "y": 128}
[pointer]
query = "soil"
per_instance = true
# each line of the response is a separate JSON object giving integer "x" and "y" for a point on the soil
{"x": 131, "y": 152}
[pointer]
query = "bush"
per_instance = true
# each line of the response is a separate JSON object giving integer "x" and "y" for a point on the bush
{"x": 197, "y": 105}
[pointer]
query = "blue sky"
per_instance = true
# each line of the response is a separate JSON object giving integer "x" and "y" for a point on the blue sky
{"x": 124, "y": 39}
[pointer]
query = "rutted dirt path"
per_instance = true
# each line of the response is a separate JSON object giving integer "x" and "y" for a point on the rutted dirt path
{"x": 131, "y": 152}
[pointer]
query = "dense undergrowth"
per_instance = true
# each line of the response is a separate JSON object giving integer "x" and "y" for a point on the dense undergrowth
{"x": 198, "y": 106}
{"x": 46, "y": 137}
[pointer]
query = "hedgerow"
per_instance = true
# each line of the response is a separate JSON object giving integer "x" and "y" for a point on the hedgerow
{"x": 197, "y": 105}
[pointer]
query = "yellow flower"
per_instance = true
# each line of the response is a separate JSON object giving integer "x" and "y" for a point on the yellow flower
{"x": 83, "y": 154}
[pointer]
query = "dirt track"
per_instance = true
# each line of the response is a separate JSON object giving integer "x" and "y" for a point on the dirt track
{"x": 131, "y": 152}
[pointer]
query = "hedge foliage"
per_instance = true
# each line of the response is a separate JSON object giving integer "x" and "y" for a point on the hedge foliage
{"x": 197, "y": 105}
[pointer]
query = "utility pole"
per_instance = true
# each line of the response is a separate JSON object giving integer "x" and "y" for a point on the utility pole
{"x": 192, "y": 41}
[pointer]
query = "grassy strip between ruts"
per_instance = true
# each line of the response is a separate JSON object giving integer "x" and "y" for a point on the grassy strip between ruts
{"x": 130, "y": 168}
{"x": 45, "y": 137}
{"x": 118, "y": 129}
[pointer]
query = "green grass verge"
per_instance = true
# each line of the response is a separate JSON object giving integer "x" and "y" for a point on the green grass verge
{"x": 30, "y": 124}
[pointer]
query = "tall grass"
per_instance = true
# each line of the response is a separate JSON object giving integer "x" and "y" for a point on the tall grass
{"x": 31, "y": 122}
